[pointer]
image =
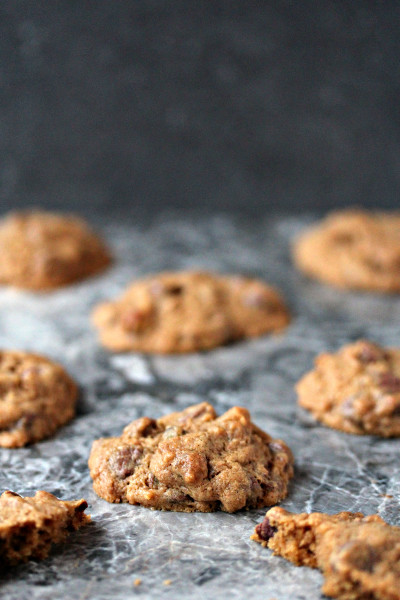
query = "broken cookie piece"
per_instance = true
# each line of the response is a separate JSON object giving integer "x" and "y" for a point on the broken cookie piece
{"x": 356, "y": 389}
{"x": 29, "y": 526}
{"x": 192, "y": 461}
{"x": 359, "y": 556}
{"x": 189, "y": 311}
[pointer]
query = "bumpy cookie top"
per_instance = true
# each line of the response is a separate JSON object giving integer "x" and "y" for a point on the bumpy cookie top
{"x": 353, "y": 249}
{"x": 189, "y": 311}
{"x": 358, "y": 556}
{"x": 36, "y": 397}
{"x": 192, "y": 461}
{"x": 41, "y": 250}
{"x": 29, "y": 526}
{"x": 356, "y": 390}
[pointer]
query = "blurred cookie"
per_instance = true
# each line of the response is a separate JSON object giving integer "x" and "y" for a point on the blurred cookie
{"x": 189, "y": 311}
{"x": 192, "y": 461}
{"x": 37, "y": 397}
{"x": 356, "y": 390}
{"x": 29, "y": 526}
{"x": 353, "y": 249}
{"x": 358, "y": 556}
{"x": 42, "y": 250}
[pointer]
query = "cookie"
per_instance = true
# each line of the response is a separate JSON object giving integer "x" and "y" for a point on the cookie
{"x": 358, "y": 556}
{"x": 189, "y": 311}
{"x": 37, "y": 397}
{"x": 353, "y": 249}
{"x": 356, "y": 390}
{"x": 192, "y": 461}
{"x": 42, "y": 250}
{"x": 29, "y": 526}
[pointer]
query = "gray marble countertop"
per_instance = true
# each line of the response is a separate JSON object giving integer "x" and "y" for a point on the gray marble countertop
{"x": 203, "y": 555}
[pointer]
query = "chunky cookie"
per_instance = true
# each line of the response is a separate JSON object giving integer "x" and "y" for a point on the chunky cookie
{"x": 358, "y": 556}
{"x": 356, "y": 390}
{"x": 29, "y": 526}
{"x": 353, "y": 249}
{"x": 41, "y": 250}
{"x": 192, "y": 461}
{"x": 37, "y": 397}
{"x": 189, "y": 311}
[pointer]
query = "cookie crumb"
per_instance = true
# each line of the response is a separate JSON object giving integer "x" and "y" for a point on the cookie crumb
{"x": 167, "y": 582}
{"x": 137, "y": 582}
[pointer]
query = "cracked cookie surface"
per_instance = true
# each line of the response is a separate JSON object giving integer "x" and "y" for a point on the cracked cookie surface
{"x": 43, "y": 250}
{"x": 353, "y": 249}
{"x": 29, "y": 526}
{"x": 189, "y": 311}
{"x": 359, "y": 556}
{"x": 192, "y": 461}
{"x": 356, "y": 389}
{"x": 37, "y": 396}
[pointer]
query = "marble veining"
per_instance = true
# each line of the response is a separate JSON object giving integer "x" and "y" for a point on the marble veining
{"x": 203, "y": 556}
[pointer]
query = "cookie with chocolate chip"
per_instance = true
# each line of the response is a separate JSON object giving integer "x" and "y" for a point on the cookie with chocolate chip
{"x": 356, "y": 389}
{"x": 192, "y": 461}
{"x": 30, "y": 526}
{"x": 37, "y": 396}
{"x": 189, "y": 311}
{"x": 358, "y": 555}
{"x": 355, "y": 249}
{"x": 43, "y": 250}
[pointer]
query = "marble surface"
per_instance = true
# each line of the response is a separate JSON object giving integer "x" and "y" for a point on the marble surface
{"x": 203, "y": 555}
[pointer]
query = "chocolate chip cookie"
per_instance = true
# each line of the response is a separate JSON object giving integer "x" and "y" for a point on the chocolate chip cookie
{"x": 358, "y": 556}
{"x": 353, "y": 249}
{"x": 29, "y": 526}
{"x": 189, "y": 311}
{"x": 37, "y": 397}
{"x": 42, "y": 250}
{"x": 356, "y": 390}
{"x": 192, "y": 461}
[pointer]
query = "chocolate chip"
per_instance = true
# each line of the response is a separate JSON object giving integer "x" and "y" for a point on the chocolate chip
{"x": 359, "y": 555}
{"x": 175, "y": 290}
{"x": 135, "y": 320}
{"x": 370, "y": 353}
{"x": 265, "y": 531}
{"x": 389, "y": 382}
{"x": 125, "y": 460}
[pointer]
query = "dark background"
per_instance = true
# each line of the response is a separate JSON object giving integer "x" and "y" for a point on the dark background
{"x": 239, "y": 106}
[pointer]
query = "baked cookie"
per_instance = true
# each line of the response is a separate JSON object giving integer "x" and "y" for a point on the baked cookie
{"x": 29, "y": 526}
{"x": 356, "y": 390}
{"x": 37, "y": 397}
{"x": 192, "y": 461}
{"x": 358, "y": 556}
{"x": 189, "y": 311}
{"x": 353, "y": 249}
{"x": 42, "y": 250}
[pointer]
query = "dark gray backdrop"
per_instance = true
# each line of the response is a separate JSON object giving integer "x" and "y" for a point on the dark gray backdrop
{"x": 248, "y": 106}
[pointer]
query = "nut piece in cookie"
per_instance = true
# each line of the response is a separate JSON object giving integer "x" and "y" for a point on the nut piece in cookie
{"x": 356, "y": 389}
{"x": 192, "y": 461}
{"x": 43, "y": 250}
{"x": 29, "y": 526}
{"x": 353, "y": 249}
{"x": 37, "y": 396}
{"x": 189, "y": 311}
{"x": 358, "y": 556}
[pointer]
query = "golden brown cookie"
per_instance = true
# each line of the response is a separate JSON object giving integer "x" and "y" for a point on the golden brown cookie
{"x": 42, "y": 250}
{"x": 29, "y": 526}
{"x": 353, "y": 249}
{"x": 37, "y": 397}
{"x": 189, "y": 311}
{"x": 356, "y": 390}
{"x": 192, "y": 461}
{"x": 358, "y": 556}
